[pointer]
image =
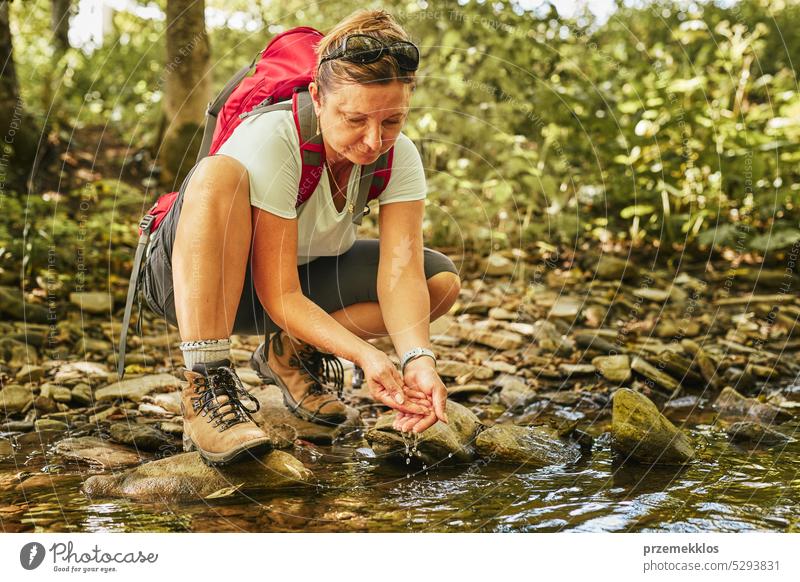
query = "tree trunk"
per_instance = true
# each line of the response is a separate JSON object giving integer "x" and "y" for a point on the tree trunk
{"x": 17, "y": 136}
{"x": 187, "y": 88}
{"x": 59, "y": 26}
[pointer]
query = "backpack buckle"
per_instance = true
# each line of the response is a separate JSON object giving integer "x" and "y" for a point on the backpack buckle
{"x": 146, "y": 222}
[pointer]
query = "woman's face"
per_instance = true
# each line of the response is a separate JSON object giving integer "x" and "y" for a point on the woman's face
{"x": 361, "y": 122}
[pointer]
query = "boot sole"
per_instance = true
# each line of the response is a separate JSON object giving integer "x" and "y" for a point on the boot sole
{"x": 251, "y": 448}
{"x": 289, "y": 401}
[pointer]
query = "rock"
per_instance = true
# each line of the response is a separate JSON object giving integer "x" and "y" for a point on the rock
{"x": 652, "y": 373}
{"x": 497, "y": 266}
{"x": 642, "y": 433}
{"x": 61, "y": 394}
{"x": 440, "y": 443}
{"x": 525, "y": 329}
{"x": 11, "y": 304}
{"x": 650, "y": 294}
{"x": 615, "y": 369}
{"x": 454, "y": 369}
{"x": 525, "y": 446}
{"x": 141, "y": 436}
{"x": 455, "y": 390}
{"x": 6, "y": 448}
{"x": 89, "y": 370}
{"x": 82, "y": 395}
{"x": 276, "y": 420}
{"x": 249, "y": 376}
{"x": 93, "y": 301}
{"x": 96, "y": 451}
{"x": 445, "y": 324}
{"x": 169, "y": 401}
{"x": 502, "y": 314}
{"x": 30, "y": 374}
{"x": 449, "y": 341}
{"x": 614, "y": 269}
{"x": 594, "y": 341}
{"x": 44, "y": 404}
{"x": 49, "y": 424}
{"x": 731, "y": 404}
{"x": 499, "y": 340}
{"x": 15, "y": 399}
{"x": 547, "y": 337}
{"x": 751, "y": 432}
{"x": 566, "y": 307}
{"x": 186, "y": 477}
{"x": 515, "y": 392}
{"x": 137, "y": 388}
{"x": 498, "y": 366}
{"x": 576, "y": 369}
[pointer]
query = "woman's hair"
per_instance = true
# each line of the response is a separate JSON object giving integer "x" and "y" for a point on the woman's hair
{"x": 377, "y": 23}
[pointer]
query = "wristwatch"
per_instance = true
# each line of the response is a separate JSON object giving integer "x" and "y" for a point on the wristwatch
{"x": 414, "y": 353}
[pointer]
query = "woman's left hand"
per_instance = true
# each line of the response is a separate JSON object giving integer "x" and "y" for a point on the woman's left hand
{"x": 422, "y": 381}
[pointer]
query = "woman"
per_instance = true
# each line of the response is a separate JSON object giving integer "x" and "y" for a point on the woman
{"x": 236, "y": 256}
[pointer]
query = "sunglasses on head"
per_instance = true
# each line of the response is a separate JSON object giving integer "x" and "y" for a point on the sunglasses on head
{"x": 364, "y": 49}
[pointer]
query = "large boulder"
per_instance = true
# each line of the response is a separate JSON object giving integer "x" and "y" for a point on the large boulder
{"x": 526, "y": 446}
{"x": 442, "y": 442}
{"x": 186, "y": 477}
{"x": 640, "y": 432}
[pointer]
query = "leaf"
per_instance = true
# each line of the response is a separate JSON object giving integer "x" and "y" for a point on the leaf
{"x": 777, "y": 239}
{"x": 224, "y": 492}
{"x": 636, "y": 210}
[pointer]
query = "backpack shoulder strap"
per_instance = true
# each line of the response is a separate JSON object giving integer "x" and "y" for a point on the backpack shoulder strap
{"x": 312, "y": 150}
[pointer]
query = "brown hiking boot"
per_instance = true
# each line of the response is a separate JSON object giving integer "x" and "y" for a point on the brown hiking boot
{"x": 215, "y": 422}
{"x": 312, "y": 382}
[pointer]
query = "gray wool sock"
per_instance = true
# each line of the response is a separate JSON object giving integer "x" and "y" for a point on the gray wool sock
{"x": 205, "y": 351}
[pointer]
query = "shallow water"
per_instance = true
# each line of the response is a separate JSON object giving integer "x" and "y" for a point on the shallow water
{"x": 729, "y": 488}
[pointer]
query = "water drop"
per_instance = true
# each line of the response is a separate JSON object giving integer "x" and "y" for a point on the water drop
{"x": 408, "y": 460}
{"x": 449, "y": 455}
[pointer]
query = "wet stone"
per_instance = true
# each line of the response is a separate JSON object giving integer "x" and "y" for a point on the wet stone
{"x": 15, "y": 398}
{"x": 97, "y": 452}
{"x": 137, "y": 388}
{"x": 30, "y": 374}
{"x": 141, "y": 436}
{"x": 185, "y": 477}
{"x": 732, "y": 405}
{"x": 50, "y": 424}
{"x": 454, "y": 369}
{"x": 640, "y": 432}
{"x": 82, "y": 395}
{"x": 757, "y": 434}
{"x": 525, "y": 446}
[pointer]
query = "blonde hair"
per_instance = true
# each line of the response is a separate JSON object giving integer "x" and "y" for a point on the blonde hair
{"x": 377, "y": 23}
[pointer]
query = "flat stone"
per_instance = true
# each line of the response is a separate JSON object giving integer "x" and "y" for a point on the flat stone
{"x": 502, "y": 367}
{"x": 96, "y": 451}
{"x": 515, "y": 392}
{"x": 732, "y": 405}
{"x": 29, "y": 374}
{"x": 6, "y": 448}
{"x": 576, "y": 369}
{"x": 93, "y": 301}
{"x": 640, "y": 432}
{"x": 449, "y": 341}
{"x": 249, "y": 376}
{"x": 502, "y": 314}
{"x": 752, "y": 432}
{"x": 525, "y": 446}
{"x": 14, "y": 399}
{"x": 454, "y": 369}
{"x": 137, "y": 388}
{"x": 82, "y": 395}
{"x": 566, "y": 307}
{"x": 524, "y": 329}
{"x": 169, "y": 401}
{"x": 49, "y": 424}
{"x": 274, "y": 417}
{"x": 61, "y": 394}
{"x": 497, "y": 266}
{"x": 452, "y": 442}
{"x": 12, "y": 304}
{"x": 458, "y": 389}
{"x": 141, "y": 436}
{"x": 652, "y": 373}
{"x": 185, "y": 477}
{"x": 615, "y": 369}
{"x": 650, "y": 294}
{"x": 90, "y": 370}
{"x": 615, "y": 269}
{"x": 499, "y": 340}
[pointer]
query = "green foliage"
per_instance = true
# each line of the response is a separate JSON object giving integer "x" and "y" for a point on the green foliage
{"x": 673, "y": 121}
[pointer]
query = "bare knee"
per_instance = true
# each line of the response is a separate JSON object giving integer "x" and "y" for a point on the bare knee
{"x": 444, "y": 288}
{"x": 218, "y": 188}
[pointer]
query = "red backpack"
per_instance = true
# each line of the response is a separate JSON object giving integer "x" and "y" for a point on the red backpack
{"x": 280, "y": 82}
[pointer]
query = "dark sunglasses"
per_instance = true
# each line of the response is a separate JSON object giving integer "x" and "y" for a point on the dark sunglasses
{"x": 363, "y": 49}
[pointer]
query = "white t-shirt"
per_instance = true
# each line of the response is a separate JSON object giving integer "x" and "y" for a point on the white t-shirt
{"x": 268, "y": 146}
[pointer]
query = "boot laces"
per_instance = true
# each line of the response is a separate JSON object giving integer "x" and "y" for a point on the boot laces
{"x": 322, "y": 370}
{"x": 229, "y": 411}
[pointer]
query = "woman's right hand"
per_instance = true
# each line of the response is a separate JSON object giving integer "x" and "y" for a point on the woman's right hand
{"x": 386, "y": 385}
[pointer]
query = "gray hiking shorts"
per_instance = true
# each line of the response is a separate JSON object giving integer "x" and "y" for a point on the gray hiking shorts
{"x": 331, "y": 282}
